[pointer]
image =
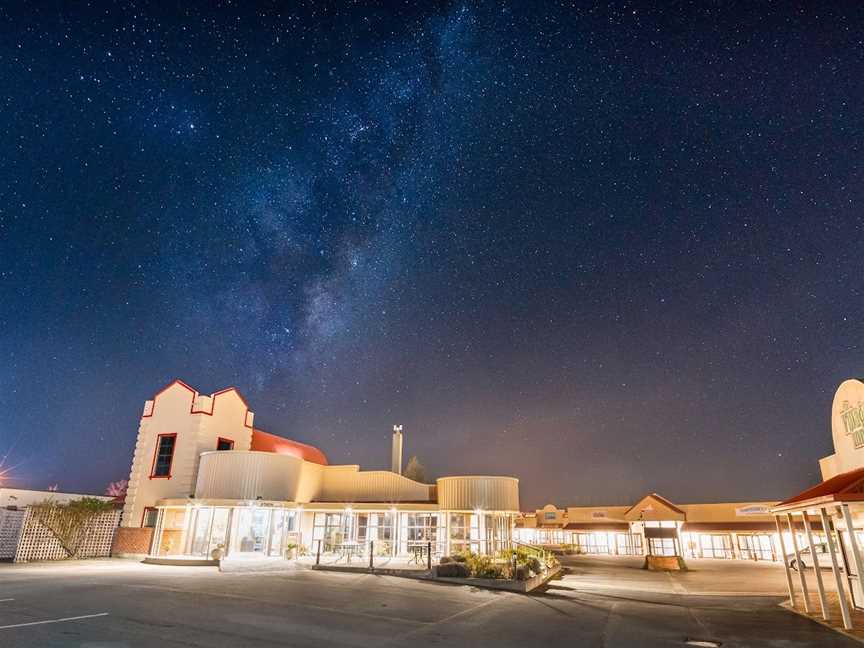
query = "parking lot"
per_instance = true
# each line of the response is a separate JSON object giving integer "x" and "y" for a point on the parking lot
{"x": 602, "y": 602}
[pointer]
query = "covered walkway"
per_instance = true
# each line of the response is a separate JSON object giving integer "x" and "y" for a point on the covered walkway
{"x": 828, "y": 503}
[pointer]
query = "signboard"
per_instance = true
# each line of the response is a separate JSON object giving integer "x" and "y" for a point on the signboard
{"x": 853, "y": 423}
{"x": 753, "y": 509}
{"x": 599, "y": 515}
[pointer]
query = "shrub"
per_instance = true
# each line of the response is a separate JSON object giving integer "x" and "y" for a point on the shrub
{"x": 453, "y": 570}
{"x": 523, "y": 573}
{"x": 533, "y": 563}
{"x": 446, "y": 559}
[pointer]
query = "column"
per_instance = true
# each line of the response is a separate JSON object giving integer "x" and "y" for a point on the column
{"x": 156, "y": 538}
{"x": 856, "y": 552}
{"x": 804, "y": 591}
{"x": 841, "y": 594}
{"x": 785, "y": 561}
{"x": 820, "y": 586}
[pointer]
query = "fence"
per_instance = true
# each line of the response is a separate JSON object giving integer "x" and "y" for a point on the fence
{"x": 11, "y": 523}
{"x": 378, "y": 554}
{"x": 38, "y": 542}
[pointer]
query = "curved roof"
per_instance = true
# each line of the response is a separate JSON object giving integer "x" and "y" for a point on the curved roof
{"x": 266, "y": 442}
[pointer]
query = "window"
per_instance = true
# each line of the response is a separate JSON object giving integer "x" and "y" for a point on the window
{"x": 332, "y": 530}
{"x": 164, "y": 455}
{"x": 377, "y": 528}
{"x": 550, "y": 516}
{"x": 422, "y": 529}
{"x": 149, "y": 517}
{"x": 715, "y": 545}
{"x": 662, "y": 546}
{"x": 225, "y": 444}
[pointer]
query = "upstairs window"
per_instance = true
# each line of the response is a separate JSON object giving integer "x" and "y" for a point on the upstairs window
{"x": 224, "y": 444}
{"x": 164, "y": 455}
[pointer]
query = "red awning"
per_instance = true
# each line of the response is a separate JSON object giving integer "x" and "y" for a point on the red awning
{"x": 843, "y": 487}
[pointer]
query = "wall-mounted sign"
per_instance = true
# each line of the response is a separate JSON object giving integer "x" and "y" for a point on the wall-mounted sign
{"x": 753, "y": 509}
{"x": 598, "y": 514}
{"x": 853, "y": 423}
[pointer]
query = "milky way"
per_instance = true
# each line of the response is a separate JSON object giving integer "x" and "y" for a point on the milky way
{"x": 608, "y": 250}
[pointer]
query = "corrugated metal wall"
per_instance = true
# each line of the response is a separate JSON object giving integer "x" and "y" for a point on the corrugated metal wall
{"x": 470, "y": 493}
{"x": 346, "y": 485}
{"x": 249, "y": 475}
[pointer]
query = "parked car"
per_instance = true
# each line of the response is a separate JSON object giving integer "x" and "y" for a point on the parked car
{"x": 823, "y": 557}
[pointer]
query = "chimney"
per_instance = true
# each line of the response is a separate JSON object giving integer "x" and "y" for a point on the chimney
{"x": 396, "y": 452}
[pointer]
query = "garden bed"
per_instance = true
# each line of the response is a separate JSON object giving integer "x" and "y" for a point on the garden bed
{"x": 519, "y": 586}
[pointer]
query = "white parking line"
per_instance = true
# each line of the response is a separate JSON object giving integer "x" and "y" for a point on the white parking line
{"x": 4, "y": 600}
{"x": 32, "y": 623}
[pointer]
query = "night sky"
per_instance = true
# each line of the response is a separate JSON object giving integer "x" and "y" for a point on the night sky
{"x": 608, "y": 250}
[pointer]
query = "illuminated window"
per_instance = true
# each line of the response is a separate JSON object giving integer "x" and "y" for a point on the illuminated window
{"x": 164, "y": 455}
{"x": 422, "y": 528}
{"x": 662, "y": 546}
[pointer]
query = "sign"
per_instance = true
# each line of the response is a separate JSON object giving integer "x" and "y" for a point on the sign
{"x": 853, "y": 423}
{"x": 599, "y": 515}
{"x": 753, "y": 509}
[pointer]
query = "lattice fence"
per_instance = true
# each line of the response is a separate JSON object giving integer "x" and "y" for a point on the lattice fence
{"x": 39, "y": 543}
{"x": 11, "y": 522}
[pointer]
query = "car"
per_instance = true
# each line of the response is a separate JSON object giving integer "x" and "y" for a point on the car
{"x": 823, "y": 557}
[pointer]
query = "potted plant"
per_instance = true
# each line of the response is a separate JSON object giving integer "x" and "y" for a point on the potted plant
{"x": 217, "y": 552}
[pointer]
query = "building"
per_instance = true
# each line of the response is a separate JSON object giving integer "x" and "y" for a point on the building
{"x": 205, "y": 483}
{"x": 654, "y": 525}
{"x": 837, "y": 505}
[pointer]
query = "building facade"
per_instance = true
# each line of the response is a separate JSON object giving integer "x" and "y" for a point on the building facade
{"x": 206, "y": 483}
{"x": 836, "y": 504}
{"x": 657, "y": 526}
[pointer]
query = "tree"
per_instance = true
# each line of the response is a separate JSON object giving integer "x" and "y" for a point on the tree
{"x": 117, "y": 488}
{"x": 70, "y": 522}
{"x": 415, "y": 470}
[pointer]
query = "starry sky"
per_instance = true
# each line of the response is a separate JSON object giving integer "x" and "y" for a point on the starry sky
{"x": 606, "y": 248}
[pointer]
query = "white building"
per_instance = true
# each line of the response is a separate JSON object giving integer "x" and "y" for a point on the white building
{"x": 205, "y": 482}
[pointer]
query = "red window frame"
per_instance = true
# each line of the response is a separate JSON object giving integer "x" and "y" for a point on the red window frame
{"x": 226, "y": 439}
{"x": 147, "y": 509}
{"x": 156, "y": 454}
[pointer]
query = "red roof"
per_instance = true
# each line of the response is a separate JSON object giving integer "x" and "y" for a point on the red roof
{"x": 266, "y": 442}
{"x": 846, "y": 485}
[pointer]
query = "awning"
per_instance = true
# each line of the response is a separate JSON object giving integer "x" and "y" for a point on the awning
{"x": 744, "y": 527}
{"x": 598, "y": 526}
{"x": 661, "y": 532}
{"x": 845, "y": 487}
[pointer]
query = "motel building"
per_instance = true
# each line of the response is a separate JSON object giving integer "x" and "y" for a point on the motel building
{"x": 656, "y": 526}
{"x": 205, "y": 484}
{"x": 836, "y": 505}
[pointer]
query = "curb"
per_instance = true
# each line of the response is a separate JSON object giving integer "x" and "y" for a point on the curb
{"x": 821, "y": 622}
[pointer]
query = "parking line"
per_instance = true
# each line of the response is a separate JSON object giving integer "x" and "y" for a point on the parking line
{"x": 4, "y": 600}
{"x": 32, "y": 623}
